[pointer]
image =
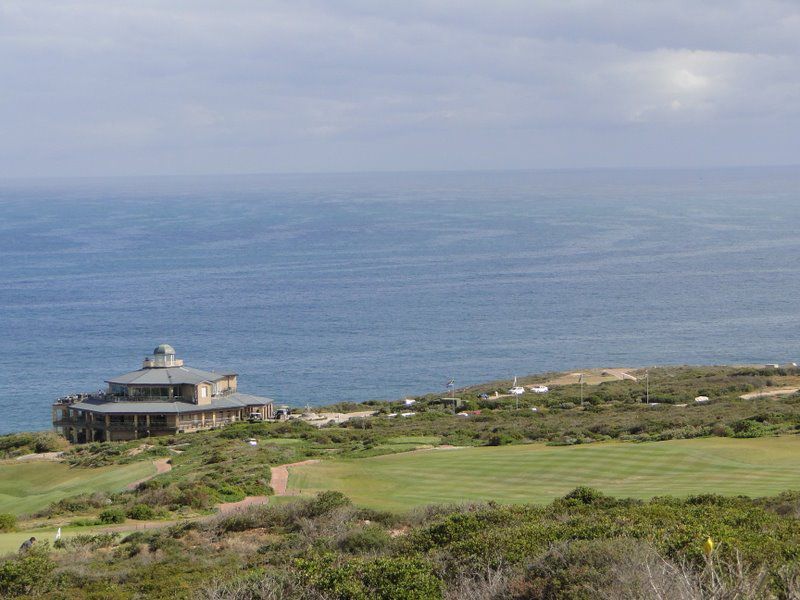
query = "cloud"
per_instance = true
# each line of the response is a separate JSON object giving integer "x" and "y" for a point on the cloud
{"x": 200, "y": 86}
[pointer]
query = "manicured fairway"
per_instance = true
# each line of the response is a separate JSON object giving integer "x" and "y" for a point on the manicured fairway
{"x": 29, "y": 486}
{"x": 537, "y": 473}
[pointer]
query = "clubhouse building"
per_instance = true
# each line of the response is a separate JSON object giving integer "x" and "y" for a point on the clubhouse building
{"x": 163, "y": 397}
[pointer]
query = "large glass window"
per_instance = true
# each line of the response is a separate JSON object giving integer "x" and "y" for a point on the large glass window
{"x": 149, "y": 392}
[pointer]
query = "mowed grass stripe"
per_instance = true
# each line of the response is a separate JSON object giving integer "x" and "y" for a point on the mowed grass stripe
{"x": 537, "y": 473}
{"x": 26, "y": 487}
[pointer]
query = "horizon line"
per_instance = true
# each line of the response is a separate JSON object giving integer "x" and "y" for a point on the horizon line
{"x": 660, "y": 168}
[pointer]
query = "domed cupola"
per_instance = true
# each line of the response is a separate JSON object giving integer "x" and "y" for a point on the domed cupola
{"x": 163, "y": 356}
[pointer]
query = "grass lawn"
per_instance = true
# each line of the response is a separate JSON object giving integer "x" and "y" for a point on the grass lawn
{"x": 537, "y": 473}
{"x": 26, "y": 487}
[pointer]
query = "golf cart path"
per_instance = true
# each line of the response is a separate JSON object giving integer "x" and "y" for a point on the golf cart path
{"x": 162, "y": 465}
{"x": 280, "y": 476}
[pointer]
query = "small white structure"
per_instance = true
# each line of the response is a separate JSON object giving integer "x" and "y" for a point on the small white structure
{"x": 407, "y": 414}
{"x": 409, "y": 402}
{"x": 701, "y": 399}
{"x": 462, "y": 414}
{"x": 253, "y": 442}
{"x": 539, "y": 389}
{"x": 534, "y": 409}
{"x": 392, "y": 415}
{"x": 772, "y": 366}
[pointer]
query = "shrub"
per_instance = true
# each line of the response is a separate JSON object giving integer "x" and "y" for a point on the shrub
{"x": 585, "y": 495}
{"x": 393, "y": 578}
{"x": 367, "y": 539}
{"x": 8, "y": 522}
{"x": 88, "y": 540}
{"x": 141, "y": 512}
{"x": 749, "y": 428}
{"x": 112, "y": 515}
{"x": 27, "y": 574}
{"x": 325, "y": 503}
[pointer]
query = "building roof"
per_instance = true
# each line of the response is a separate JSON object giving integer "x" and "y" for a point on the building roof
{"x": 166, "y": 376}
{"x": 235, "y": 400}
{"x": 164, "y": 349}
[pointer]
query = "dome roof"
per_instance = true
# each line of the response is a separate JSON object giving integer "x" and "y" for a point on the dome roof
{"x": 164, "y": 349}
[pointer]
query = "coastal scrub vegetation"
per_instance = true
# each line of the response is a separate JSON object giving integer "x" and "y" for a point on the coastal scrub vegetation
{"x": 583, "y": 545}
{"x": 219, "y": 466}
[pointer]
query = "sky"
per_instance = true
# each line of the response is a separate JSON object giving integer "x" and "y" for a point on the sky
{"x": 93, "y": 88}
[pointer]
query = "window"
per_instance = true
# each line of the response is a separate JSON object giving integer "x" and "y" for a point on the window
{"x": 203, "y": 391}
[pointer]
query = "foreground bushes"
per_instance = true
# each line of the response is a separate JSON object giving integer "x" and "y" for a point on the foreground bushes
{"x": 583, "y": 546}
{"x": 31, "y": 573}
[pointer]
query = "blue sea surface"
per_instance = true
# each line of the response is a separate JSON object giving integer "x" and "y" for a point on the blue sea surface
{"x": 321, "y": 288}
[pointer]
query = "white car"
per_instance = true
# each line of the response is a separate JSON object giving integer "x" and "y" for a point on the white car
{"x": 517, "y": 390}
{"x": 539, "y": 389}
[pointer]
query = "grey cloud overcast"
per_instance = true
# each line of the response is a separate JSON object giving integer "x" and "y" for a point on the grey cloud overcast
{"x": 96, "y": 88}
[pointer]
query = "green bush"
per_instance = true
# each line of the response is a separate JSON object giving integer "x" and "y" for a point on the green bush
{"x": 112, "y": 515}
{"x": 324, "y": 503}
{"x": 368, "y": 539}
{"x": 8, "y": 522}
{"x": 585, "y": 495}
{"x": 386, "y": 578}
{"x": 749, "y": 428}
{"x": 88, "y": 540}
{"x": 31, "y": 573}
{"x": 141, "y": 512}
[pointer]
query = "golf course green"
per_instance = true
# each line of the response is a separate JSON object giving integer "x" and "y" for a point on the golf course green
{"x": 28, "y": 486}
{"x": 537, "y": 473}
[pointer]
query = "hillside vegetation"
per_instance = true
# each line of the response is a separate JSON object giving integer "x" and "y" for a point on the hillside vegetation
{"x": 584, "y": 545}
{"x": 617, "y": 542}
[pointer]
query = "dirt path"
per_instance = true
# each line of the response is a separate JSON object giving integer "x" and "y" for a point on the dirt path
{"x": 162, "y": 465}
{"x": 280, "y": 477}
{"x": 785, "y": 391}
{"x": 231, "y": 507}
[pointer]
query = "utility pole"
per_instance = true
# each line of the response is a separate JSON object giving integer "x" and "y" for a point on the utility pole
{"x": 580, "y": 380}
{"x": 647, "y": 385}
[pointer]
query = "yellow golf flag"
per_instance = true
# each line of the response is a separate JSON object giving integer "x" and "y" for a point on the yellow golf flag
{"x": 708, "y": 547}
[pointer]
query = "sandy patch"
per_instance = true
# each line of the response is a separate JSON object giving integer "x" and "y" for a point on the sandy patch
{"x": 592, "y": 377}
{"x": 42, "y": 456}
{"x": 784, "y": 391}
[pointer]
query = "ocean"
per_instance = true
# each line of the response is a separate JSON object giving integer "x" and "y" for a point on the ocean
{"x": 323, "y": 288}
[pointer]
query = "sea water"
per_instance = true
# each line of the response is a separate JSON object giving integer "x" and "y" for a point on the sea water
{"x": 323, "y": 288}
